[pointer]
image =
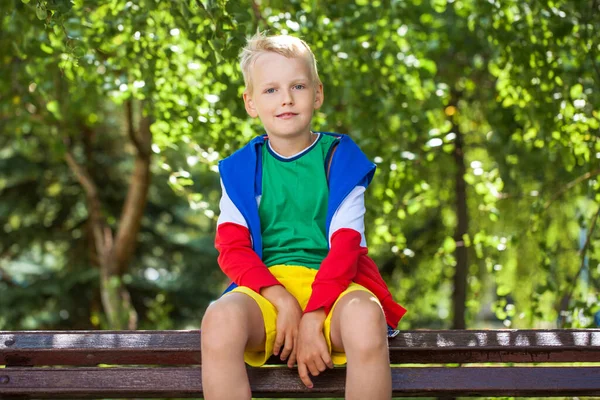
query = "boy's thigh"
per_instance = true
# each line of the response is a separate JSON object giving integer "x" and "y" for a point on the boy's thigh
{"x": 250, "y": 317}
{"x": 268, "y": 315}
{"x": 357, "y": 310}
{"x": 258, "y": 352}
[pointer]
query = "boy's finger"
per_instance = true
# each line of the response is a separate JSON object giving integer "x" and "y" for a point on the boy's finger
{"x": 288, "y": 347}
{"x": 320, "y": 365}
{"x": 292, "y": 359}
{"x": 325, "y": 355}
{"x": 303, "y": 373}
{"x": 278, "y": 343}
{"x": 313, "y": 369}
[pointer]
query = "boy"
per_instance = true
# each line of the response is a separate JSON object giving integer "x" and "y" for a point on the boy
{"x": 291, "y": 238}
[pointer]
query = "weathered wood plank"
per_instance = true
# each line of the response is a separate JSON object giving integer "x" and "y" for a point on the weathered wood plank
{"x": 183, "y": 347}
{"x": 268, "y": 382}
{"x": 99, "y": 347}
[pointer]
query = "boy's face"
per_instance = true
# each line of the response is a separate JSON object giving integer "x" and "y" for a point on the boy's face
{"x": 283, "y": 95}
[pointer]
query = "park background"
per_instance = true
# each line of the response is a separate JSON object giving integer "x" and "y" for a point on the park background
{"x": 482, "y": 116}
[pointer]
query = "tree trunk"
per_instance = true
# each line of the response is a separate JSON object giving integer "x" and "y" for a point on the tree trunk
{"x": 459, "y": 296}
{"x": 114, "y": 255}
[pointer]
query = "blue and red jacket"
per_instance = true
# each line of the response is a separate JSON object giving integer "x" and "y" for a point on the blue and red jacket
{"x": 239, "y": 241}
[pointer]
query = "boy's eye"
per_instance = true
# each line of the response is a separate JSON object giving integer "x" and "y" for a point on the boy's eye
{"x": 299, "y": 86}
{"x": 270, "y": 90}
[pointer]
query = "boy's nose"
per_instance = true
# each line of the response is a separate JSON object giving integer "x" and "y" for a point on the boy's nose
{"x": 287, "y": 98}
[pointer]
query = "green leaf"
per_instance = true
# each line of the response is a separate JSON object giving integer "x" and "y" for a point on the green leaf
{"x": 576, "y": 91}
{"x": 46, "y": 49}
{"x": 449, "y": 245}
{"x": 40, "y": 11}
{"x": 54, "y": 108}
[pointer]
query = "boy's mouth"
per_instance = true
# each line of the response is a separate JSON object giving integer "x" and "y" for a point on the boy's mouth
{"x": 286, "y": 115}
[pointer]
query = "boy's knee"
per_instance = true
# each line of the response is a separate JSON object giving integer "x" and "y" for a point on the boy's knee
{"x": 363, "y": 310}
{"x": 363, "y": 325}
{"x": 223, "y": 322}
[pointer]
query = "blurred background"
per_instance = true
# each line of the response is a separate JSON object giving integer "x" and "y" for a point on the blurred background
{"x": 482, "y": 116}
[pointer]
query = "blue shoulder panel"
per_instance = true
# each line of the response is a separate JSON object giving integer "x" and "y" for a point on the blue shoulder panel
{"x": 350, "y": 167}
{"x": 239, "y": 174}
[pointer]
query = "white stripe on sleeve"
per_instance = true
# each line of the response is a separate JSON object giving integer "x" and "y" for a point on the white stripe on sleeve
{"x": 229, "y": 212}
{"x": 351, "y": 214}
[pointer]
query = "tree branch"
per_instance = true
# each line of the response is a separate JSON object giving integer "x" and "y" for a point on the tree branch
{"x": 102, "y": 233}
{"x": 83, "y": 177}
{"x": 570, "y": 185}
{"x": 199, "y": 3}
{"x": 130, "y": 128}
{"x": 145, "y": 137}
{"x": 590, "y": 232}
{"x": 258, "y": 14}
{"x": 135, "y": 202}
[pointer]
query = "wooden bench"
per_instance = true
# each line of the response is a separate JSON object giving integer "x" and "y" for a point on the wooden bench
{"x": 161, "y": 364}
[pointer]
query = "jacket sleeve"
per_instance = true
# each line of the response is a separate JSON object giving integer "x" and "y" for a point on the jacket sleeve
{"x": 346, "y": 245}
{"x": 236, "y": 258}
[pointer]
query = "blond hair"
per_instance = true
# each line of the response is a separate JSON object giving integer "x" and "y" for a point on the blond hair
{"x": 287, "y": 46}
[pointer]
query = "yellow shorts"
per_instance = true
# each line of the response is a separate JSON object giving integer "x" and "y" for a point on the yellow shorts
{"x": 297, "y": 280}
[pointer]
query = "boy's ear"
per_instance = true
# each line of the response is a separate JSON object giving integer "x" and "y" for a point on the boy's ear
{"x": 249, "y": 104}
{"x": 319, "y": 96}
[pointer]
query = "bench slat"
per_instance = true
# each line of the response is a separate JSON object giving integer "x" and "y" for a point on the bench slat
{"x": 183, "y": 347}
{"x": 267, "y": 382}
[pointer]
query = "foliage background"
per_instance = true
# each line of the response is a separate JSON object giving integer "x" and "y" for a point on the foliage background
{"x": 483, "y": 118}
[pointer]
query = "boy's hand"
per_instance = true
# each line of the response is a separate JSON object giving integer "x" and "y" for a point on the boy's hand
{"x": 289, "y": 314}
{"x": 312, "y": 352}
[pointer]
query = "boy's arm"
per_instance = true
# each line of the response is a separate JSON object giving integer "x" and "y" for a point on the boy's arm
{"x": 243, "y": 266}
{"x": 347, "y": 245}
{"x": 338, "y": 269}
{"x": 236, "y": 258}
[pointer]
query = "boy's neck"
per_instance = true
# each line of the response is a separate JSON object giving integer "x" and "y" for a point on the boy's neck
{"x": 288, "y": 147}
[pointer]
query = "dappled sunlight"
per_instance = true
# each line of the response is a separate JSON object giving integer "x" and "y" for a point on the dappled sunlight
{"x": 542, "y": 339}
{"x": 503, "y": 338}
{"x": 444, "y": 342}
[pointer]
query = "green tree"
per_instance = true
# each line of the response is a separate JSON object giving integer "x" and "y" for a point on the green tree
{"x": 481, "y": 116}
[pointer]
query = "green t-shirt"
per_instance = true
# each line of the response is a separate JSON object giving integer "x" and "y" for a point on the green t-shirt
{"x": 293, "y": 206}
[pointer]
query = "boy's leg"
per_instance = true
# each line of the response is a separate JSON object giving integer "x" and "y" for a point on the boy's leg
{"x": 359, "y": 329}
{"x": 232, "y": 324}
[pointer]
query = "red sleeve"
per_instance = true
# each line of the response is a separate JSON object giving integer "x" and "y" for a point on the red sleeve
{"x": 237, "y": 259}
{"x": 337, "y": 270}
